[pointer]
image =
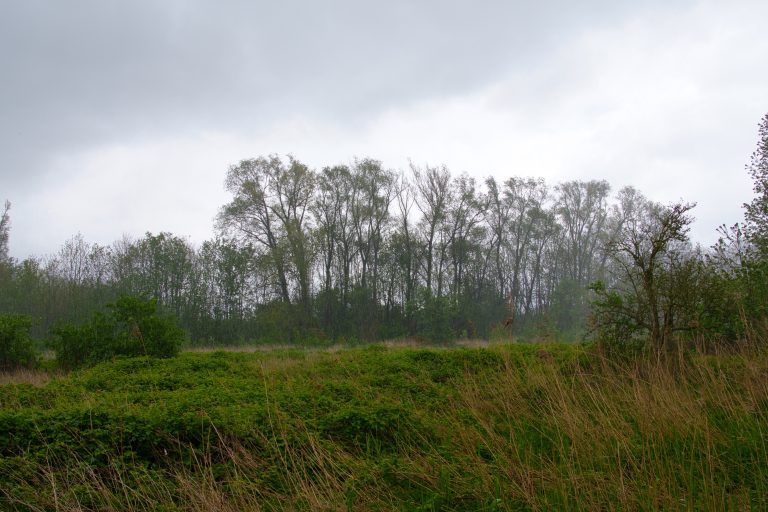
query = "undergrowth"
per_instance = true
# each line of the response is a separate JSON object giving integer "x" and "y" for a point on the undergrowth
{"x": 518, "y": 427}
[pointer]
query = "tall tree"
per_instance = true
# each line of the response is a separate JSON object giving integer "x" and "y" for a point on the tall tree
{"x": 756, "y": 211}
{"x": 405, "y": 246}
{"x": 269, "y": 208}
{"x": 373, "y": 193}
{"x": 525, "y": 204}
{"x": 5, "y": 227}
{"x": 582, "y": 208}
{"x": 464, "y": 214}
{"x": 432, "y": 198}
{"x": 497, "y": 220}
{"x": 331, "y": 211}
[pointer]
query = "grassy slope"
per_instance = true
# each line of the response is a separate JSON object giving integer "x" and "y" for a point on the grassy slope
{"x": 505, "y": 428}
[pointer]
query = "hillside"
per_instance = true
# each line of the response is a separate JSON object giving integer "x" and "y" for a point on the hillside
{"x": 512, "y": 427}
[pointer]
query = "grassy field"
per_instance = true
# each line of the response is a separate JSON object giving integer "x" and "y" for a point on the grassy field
{"x": 513, "y": 427}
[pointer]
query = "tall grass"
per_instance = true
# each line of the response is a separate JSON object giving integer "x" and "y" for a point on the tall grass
{"x": 643, "y": 435}
{"x": 504, "y": 428}
{"x": 24, "y": 376}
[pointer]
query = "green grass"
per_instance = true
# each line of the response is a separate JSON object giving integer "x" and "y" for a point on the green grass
{"x": 503, "y": 428}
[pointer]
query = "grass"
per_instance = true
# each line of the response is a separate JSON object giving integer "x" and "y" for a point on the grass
{"x": 506, "y": 427}
{"x": 406, "y": 342}
{"x": 25, "y": 376}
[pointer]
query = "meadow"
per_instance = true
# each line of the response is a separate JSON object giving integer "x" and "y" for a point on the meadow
{"x": 505, "y": 427}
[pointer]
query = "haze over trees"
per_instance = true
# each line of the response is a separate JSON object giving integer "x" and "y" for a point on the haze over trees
{"x": 361, "y": 252}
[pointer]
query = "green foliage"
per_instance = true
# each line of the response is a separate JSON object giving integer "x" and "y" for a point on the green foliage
{"x": 435, "y": 318}
{"x": 656, "y": 277}
{"x": 358, "y": 252}
{"x": 516, "y": 427}
{"x": 500, "y": 333}
{"x": 756, "y": 211}
{"x": 16, "y": 347}
{"x": 130, "y": 327}
{"x": 737, "y": 291}
{"x": 569, "y": 308}
{"x": 615, "y": 320}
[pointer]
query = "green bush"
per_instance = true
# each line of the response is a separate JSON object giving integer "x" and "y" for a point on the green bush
{"x": 130, "y": 327}
{"x": 16, "y": 350}
{"x": 435, "y": 319}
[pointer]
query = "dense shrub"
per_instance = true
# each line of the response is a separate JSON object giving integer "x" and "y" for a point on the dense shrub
{"x": 514, "y": 427}
{"x": 434, "y": 319}
{"x": 130, "y": 327}
{"x": 16, "y": 350}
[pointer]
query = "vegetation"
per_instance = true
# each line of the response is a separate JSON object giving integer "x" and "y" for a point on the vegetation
{"x": 659, "y": 290}
{"x": 5, "y": 227}
{"x": 514, "y": 427}
{"x": 359, "y": 252}
{"x": 349, "y": 252}
{"x": 665, "y": 408}
{"x": 16, "y": 348}
{"x": 131, "y": 327}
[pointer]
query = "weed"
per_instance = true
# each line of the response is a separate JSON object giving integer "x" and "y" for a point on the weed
{"x": 392, "y": 428}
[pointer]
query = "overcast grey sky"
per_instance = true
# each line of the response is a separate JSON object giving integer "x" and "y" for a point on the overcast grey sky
{"x": 122, "y": 117}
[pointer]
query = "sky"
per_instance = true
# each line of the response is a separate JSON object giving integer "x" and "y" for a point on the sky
{"x": 123, "y": 117}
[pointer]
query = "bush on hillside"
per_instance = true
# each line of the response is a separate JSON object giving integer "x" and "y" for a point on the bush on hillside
{"x": 130, "y": 327}
{"x": 16, "y": 350}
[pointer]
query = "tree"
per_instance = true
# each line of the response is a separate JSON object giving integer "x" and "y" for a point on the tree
{"x": 755, "y": 268}
{"x": 164, "y": 267}
{"x": 5, "y": 227}
{"x": 741, "y": 255}
{"x": 6, "y": 266}
{"x": 464, "y": 214}
{"x": 648, "y": 254}
{"x": 372, "y": 194}
{"x": 16, "y": 350}
{"x": 497, "y": 220}
{"x": 525, "y": 199}
{"x": 130, "y": 327}
{"x": 269, "y": 209}
{"x": 361, "y": 252}
{"x": 404, "y": 248}
{"x": 328, "y": 209}
{"x": 756, "y": 211}
{"x": 582, "y": 208}
{"x": 432, "y": 199}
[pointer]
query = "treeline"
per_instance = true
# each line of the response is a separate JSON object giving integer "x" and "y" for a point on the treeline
{"x": 361, "y": 252}
{"x": 354, "y": 252}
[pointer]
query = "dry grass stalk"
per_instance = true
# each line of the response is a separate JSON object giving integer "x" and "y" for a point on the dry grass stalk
{"x": 25, "y": 376}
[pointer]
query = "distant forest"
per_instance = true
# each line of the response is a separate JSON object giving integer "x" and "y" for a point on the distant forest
{"x": 361, "y": 252}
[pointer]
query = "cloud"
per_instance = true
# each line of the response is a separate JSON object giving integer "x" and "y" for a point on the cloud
{"x": 124, "y": 116}
{"x": 82, "y": 73}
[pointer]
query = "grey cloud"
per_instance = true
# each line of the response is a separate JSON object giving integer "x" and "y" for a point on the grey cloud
{"x": 105, "y": 77}
{"x": 80, "y": 73}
